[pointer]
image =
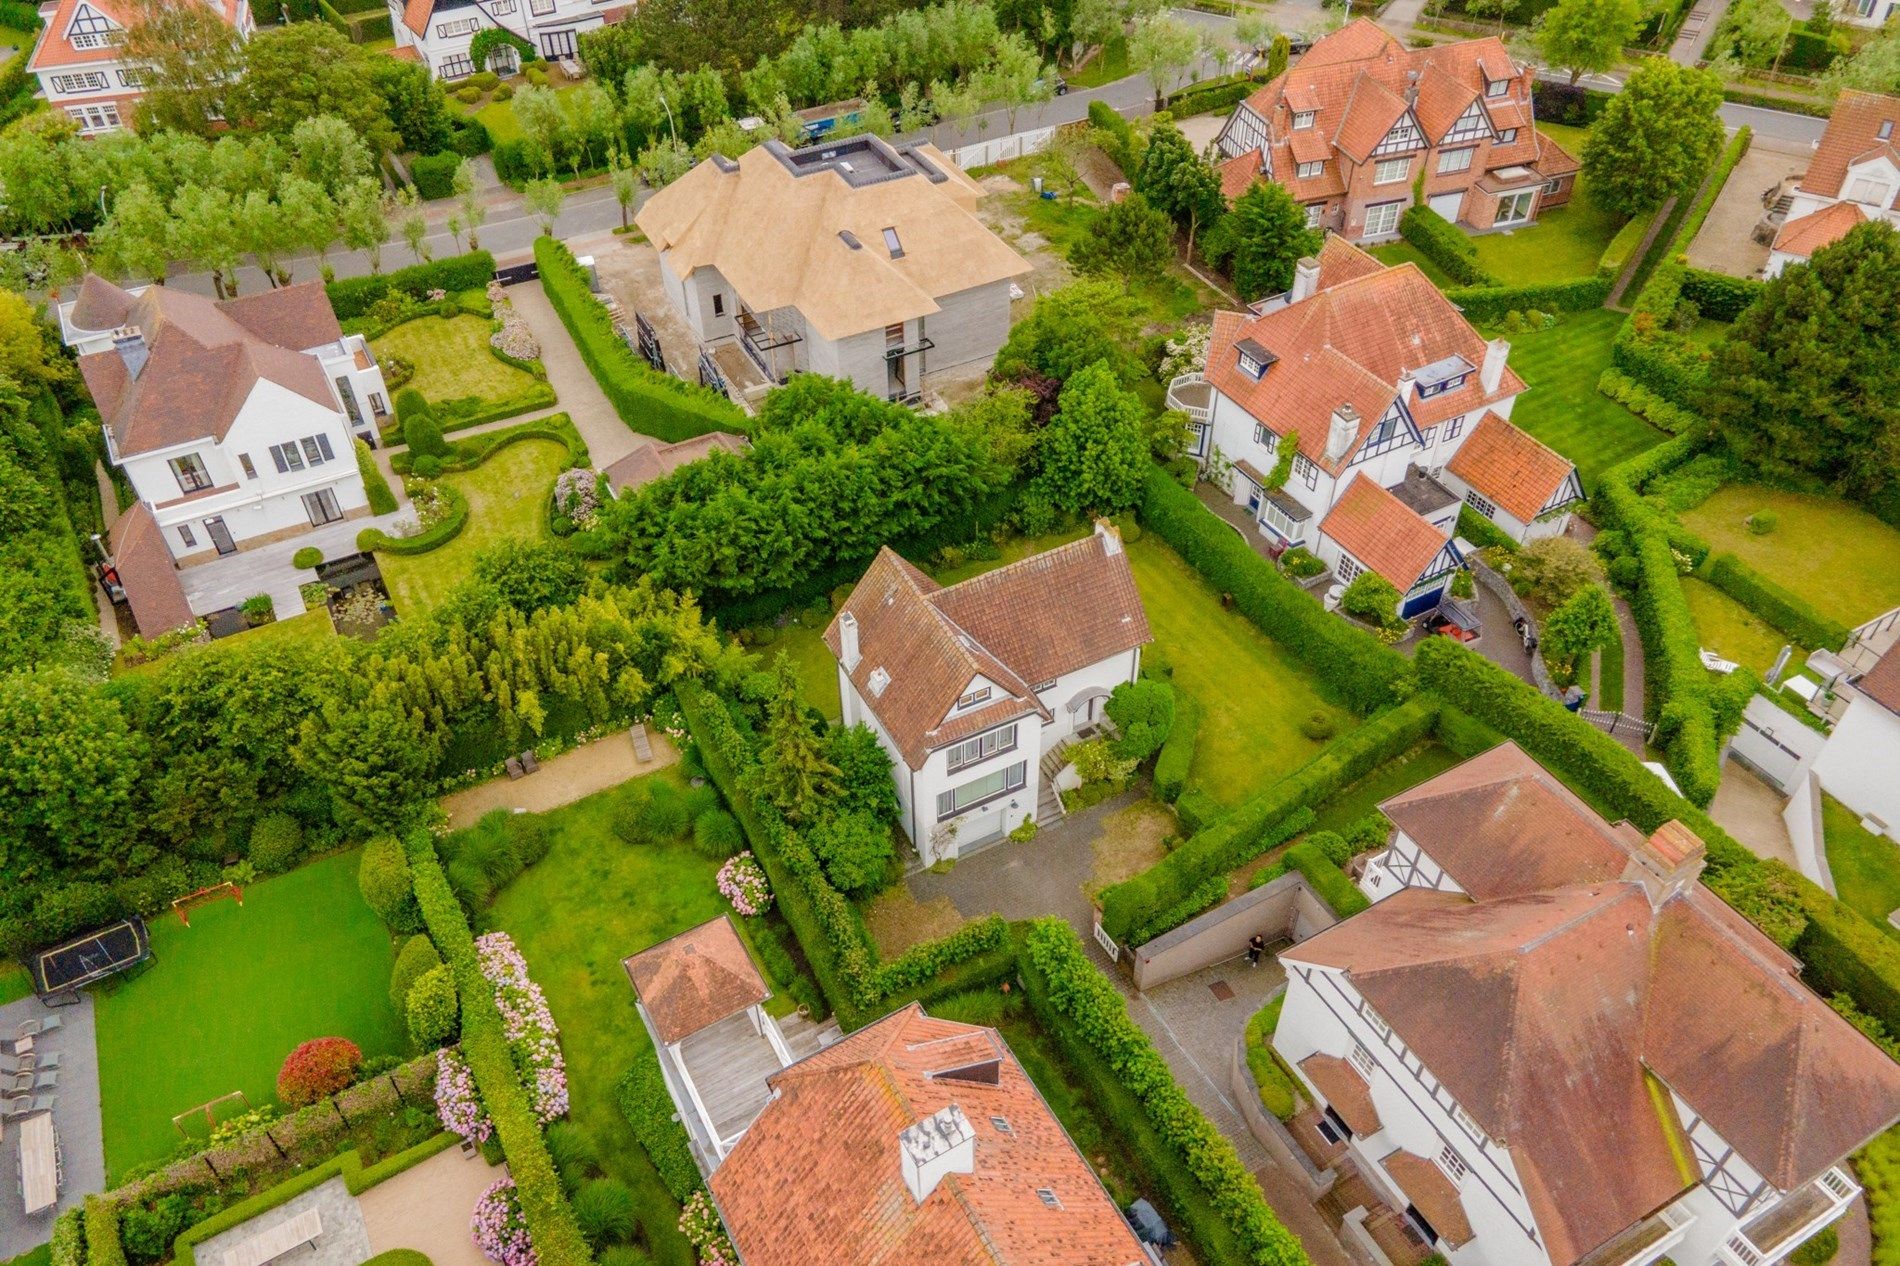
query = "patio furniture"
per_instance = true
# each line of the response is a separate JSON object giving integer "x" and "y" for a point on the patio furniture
{"x": 14, "y": 1109}
{"x": 40, "y": 1063}
{"x": 642, "y": 749}
{"x": 513, "y": 766}
{"x": 34, "y": 1028}
{"x": 19, "y": 1084}
{"x": 269, "y": 1245}
{"x": 39, "y": 1163}
{"x": 46, "y": 1081}
{"x": 529, "y": 763}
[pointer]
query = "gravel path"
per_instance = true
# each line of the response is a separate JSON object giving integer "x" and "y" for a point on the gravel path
{"x": 563, "y": 779}
{"x": 427, "y": 1208}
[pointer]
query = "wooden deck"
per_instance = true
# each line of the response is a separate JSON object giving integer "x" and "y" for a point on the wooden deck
{"x": 729, "y": 1064}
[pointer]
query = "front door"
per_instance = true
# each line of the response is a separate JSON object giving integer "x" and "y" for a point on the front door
{"x": 321, "y": 506}
{"x": 557, "y": 44}
{"x": 220, "y": 535}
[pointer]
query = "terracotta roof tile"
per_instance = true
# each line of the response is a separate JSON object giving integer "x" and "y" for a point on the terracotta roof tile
{"x": 1852, "y": 130}
{"x": 53, "y": 49}
{"x": 1510, "y": 468}
{"x": 416, "y": 15}
{"x": 1370, "y": 114}
{"x": 1382, "y": 532}
{"x": 1432, "y": 1193}
{"x": 1554, "y": 160}
{"x": 695, "y": 979}
{"x": 298, "y": 317}
{"x": 1308, "y": 146}
{"x": 1803, "y": 236}
{"x": 100, "y": 305}
{"x": 1346, "y": 1091}
{"x": 1237, "y": 174}
{"x": 651, "y": 461}
{"x": 152, "y": 587}
{"x": 819, "y": 1176}
{"x": 1018, "y": 626}
{"x": 1882, "y": 683}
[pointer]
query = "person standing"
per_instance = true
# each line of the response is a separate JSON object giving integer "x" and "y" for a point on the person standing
{"x": 1255, "y": 948}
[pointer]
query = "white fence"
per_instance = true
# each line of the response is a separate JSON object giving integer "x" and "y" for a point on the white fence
{"x": 1003, "y": 148}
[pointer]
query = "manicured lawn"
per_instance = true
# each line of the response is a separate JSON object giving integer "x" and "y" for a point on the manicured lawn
{"x": 1565, "y": 243}
{"x": 230, "y": 996}
{"x": 803, "y": 642}
{"x": 1708, "y": 333}
{"x": 575, "y": 915}
{"x": 1403, "y": 252}
{"x": 14, "y": 983}
{"x": 1563, "y": 407}
{"x": 311, "y": 626}
{"x": 1346, "y": 807}
{"x": 1840, "y": 558}
{"x": 507, "y": 496}
{"x": 1731, "y": 630}
{"x": 1865, "y": 866}
{"x": 1253, "y": 695}
{"x": 452, "y": 359}
{"x": 499, "y": 118}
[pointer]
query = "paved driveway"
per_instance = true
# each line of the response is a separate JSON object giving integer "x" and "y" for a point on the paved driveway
{"x": 608, "y": 438}
{"x": 1723, "y": 244}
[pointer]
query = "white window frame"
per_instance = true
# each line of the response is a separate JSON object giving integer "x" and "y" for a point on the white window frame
{"x": 1481, "y": 504}
{"x": 1250, "y": 366}
{"x": 1392, "y": 171}
{"x": 1496, "y": 87}
{"x": 1307, "y": 171}
{"x": 1349, "y": 567}
{"x": 980, "y": 695}
{"x": 457, "y": 26}
{"x": 1388, "y": 212}
{"x": 1452, "y": 1163}
{"x": 1314, "y": 210}
{"x": 101, "y": 116}
{"x": 979, "y": 748}
{"x": 1363, "y": 1061}
{"x": 82, "y": 81}
{"x": 1007, "y": 781}
{"x": 1526, "y": 198}
{"x": 1264, "y": 438}
{"x": 1303, "y": 119}
{"x": 1870, "y": 191}
{"x": 1455, "y": 160}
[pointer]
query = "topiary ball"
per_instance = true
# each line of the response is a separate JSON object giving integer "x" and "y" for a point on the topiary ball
{"x": 307, "y": 557}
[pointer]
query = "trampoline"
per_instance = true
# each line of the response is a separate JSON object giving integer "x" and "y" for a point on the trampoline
{"x": 84, "y": 960}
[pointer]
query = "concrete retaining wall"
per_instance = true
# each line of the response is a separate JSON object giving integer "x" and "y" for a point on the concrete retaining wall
{"x": 1284, "y": 910}
{"x": 1269, "y": 1129}
{"x": 1803, "y": 816}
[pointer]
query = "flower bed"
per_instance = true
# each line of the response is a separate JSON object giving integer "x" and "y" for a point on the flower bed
{"x": 742, "y": 882}
{"x": 456, "y": 1100}
{"x": 533, "y": 1037}
{"x": 699, "y": 1222}
{"x": 500, "y": 1229}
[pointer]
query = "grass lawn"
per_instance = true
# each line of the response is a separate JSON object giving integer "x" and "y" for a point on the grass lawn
{"x": 1708, "y": 333}
{"x": 1731, "y": 630}
{"x": 1403, "y": 252}
{"x": 1108, "y": 66}
{"x": 1253, "y": 695}
{"x": 1565, "y": 243}
{"x": 803, "y": 642}
{"x": 1865, "y": 866}
{"x": 507, "y": 496}
{"x": 14, "y": 983}
{"x": 1427, "y": 760}
{"x": 1563, "y": 407}
{"x": 499, "y": 118}
{"x": 311, "y": 626}
{"x": 590, "y": 903}
{"x": 1062, "y": 221}
{"x": 452, "y": 359}
{"x": 1840, "y": 558}
{"x": 230, "y": 996}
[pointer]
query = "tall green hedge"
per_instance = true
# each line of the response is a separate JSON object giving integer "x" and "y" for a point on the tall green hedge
{"x": 649, "y": 402}
{"x": 352, "y": 296}
{"x": 1350, "y": 663}
{"x": 1177, "y": 752}
{"x": 1488, "y": 305}
{"x": 1194, "y": 1164}
{"x": 1341, "y": 894}
{"x": 648, "y": 1107}
{"x": 1445, "y": 244}
{"x": 1672, "y": 646}
{"x": 1787, "y": 611}
{"x": 1720, "y": 296}
{"x": 381, "y": 499}
{"x": 1248, "y": 830}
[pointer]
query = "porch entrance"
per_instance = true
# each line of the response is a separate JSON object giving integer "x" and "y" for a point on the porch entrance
{"x": 220, "y": 535}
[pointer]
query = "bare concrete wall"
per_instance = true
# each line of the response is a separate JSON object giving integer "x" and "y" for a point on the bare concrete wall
{"x": 1272, "y": 1134}
{"x": 1284, "y": 910}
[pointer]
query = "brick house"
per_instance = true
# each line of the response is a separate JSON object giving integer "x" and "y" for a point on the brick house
{"x": 77, "y": 61}
{"x": 1353, "y": 125}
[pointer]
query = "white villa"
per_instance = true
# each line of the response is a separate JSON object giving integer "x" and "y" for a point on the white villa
{"x": 857, "y": 258}
{"x": 438, "y": 33}
{"x": 235, "y": 421}
{"x": 973, "y": 690}
{"x": 77, "y": 61}
{"x": 1854, "y": 177}
{"x": 1399, "y": 411}
{"x": 1547, "y": 1044}
{"x": 1858, "y": 762}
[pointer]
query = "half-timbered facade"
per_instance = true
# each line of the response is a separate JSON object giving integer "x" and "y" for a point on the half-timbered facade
{"x": 78, "y": 62}
{"x": 1362, "y": 125}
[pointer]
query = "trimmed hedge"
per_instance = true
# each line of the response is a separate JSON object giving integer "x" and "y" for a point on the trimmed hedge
{"x": 1340, "y": 893}
{"x": 103, "y": 1245}
{"x": 1193, "y": 1164}
{"x": 1352, "y": 664}
{"x": 381, "y": 499}
{"x": 434, "y": 175}
{"x": 1244, "y": 834}
{"x": 471, "y": 451}
{"x": 1622, "y": 248}
{"x": 648, "y": 402}
{"x": 648, "y": 1107}
{"x": 1672, "y": 646}
{"x": 1204, "y": 897}
{"x": 68, "y": 1245}
{"x": 373, "y": 540}
{"x": 925, "y": 961}
{"x": 1646, "y": 404}
{"x": 1480, "y": 531}
{"x": 1177, "y": 753}
{"x": 1791, "y": 614}
{"x": 1446, "y": 245}
{"x": 352, "y": 296}
{"x": 1721, "y": 297}
{"x": 1488, "y": 305}
{"x": 1223, "y": 93}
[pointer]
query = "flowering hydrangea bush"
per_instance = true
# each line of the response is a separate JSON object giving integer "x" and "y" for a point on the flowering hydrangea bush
{"x": 533, "y": 1037}
{"x": 500, "y": 1229}
{"x": 743, "y": 883}
{"x": 577, "y": 495}
{"x": 456, "y": 1100}
{"x": 514, "y": 338}
{"x": 699, "y": 1223}
{"x": 1186, "y": 354}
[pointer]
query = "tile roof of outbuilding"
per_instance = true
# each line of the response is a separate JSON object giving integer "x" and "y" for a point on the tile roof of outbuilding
{"x": 1509, "y": 468}
{"x": 148, "y": 574}
{"x": 694, "y": 980}
{"x": 651, "y": 461}
{"x": 1382, "y": 532}
{"x": 1882, "y": 682}
{"x": 1806, "y": 234}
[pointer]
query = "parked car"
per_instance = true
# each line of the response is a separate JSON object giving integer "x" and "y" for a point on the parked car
{"x": 1061, "y": 85}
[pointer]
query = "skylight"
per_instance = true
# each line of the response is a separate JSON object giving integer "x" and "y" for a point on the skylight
{"x": 891, "y": 244}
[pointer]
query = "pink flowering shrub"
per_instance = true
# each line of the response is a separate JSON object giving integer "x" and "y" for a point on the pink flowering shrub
{"x": 743, "y": 883}
{"x": 456, "y": 1100}
{"x": 533, "y": 1037}
{"x": 699, "y": 1223}
{"x": 500, "y": 1229}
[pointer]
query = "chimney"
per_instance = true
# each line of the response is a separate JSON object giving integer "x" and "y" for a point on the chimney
{"x": 939, "y": 1145}
{"x": 1411, "y": 87}
{"x": 133, "y": 351}
{"x": 1305, "y": 279}
{"x": 848, "y": 640}
{"x": 1408, "y": 383}
{"x": 1345, "y": 429}
{"x": 1111, "y": 537}
{"x": 1667, "y": 862}
{"x": 1491, "y": 373}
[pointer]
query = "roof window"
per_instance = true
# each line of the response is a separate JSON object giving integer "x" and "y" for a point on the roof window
{"x": 1002, "y": 1125}
{"x": 1886, "y": 129}
{"x": 891, "y": 244}
{"x": 1253, "y": 359}
{"x": 1048, "y": 1197}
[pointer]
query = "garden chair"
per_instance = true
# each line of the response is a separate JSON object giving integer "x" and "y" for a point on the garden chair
{"x": 34, "y": 1028}
{"x": 13, "y": 1109}
{"x": 529, "y": 763}
{"x": 18, "y": 1085}
{"x": 43, "y": 1103}
{"x": 46, "y": 1081}
{"x": 513, "y": 766}
{"x": 39, "y": 1063}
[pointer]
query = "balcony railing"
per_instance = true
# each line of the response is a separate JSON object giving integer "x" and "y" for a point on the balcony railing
{"x": 1191, "y": 395}
{"x": 1790, "y": 1221}
{"x": 898, "y": 351}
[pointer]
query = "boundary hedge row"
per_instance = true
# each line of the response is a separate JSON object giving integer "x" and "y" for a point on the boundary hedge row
{"x": 648, "y": 1106}
{"x": 1646, "y": 404}
{"x": 1719, "y": 296}
{"x": 649, "y": 402}
{"x": 1487, "y": 305}
{"x": 1446, "y": 245}
{"x": 1177, "y": 750}
{"x": 1788, "y": 612}
{"x": 353, "y": 296}
{"x": 1194, "y": 1164}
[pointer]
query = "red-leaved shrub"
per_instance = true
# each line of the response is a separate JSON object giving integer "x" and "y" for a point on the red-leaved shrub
{"x": 322, "y": 1066}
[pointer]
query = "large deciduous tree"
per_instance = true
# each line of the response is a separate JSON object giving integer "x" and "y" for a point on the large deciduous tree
{"x": 1093, "y": 452}
{"x": 70, "y": 780}
{"x": 1581, "y": 36}
{"x": 1585, "y": 622}
{"x": 1264, "y": 237}
{"x": 1654, "y": 137}
{"x": 189, "y": 57}
{"x": 1163, "y": 48}
{"x": 415, "y": 104}
{"x": 1808, "y": 381}
{"x": 1070, "y": 329}
{"x": 306, "y": 69}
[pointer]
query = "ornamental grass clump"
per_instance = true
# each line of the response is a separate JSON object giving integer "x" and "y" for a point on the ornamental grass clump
{"x": 533, "y": 1037}
{"x": 743, "y": 882}
{"x": 457, "y": 1102}
{"x": 500, "y": 1229}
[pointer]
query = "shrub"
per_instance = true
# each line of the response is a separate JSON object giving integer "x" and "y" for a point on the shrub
{"x": 1780, "y": 607}
{"x": 1442, "y": 242}
{"x": 432, "y": 1008}
{"x": 1143, "y": 711}
{"x": 855, "y": 850}
{"x": 1646, "y": 404}
{"x": 1278, "y": 1092}
{"x": 317, "y": 1068}
{"x": 1554, "y": 568}
{"x": 1762, "y": 522}
{"x": 383, "y": 876}
{"x": 716, "y": 834}
{"x": 434, "y": 175}
{"x": 416, "y": 958}
{"x": 1374, "y": 599}
{"x": 147, "y": 1230}
{"x": 486, "y": 80}
{"x": 420, "y": 431}
{"x": 307, "y": 557}
{"x": 1319, "y": 727}
{"x": 353, "y": 296}
{"x": 276, "y": 843}
{"x": 649, "y": 1110}
{"x": 433, "y": 537}
{"x": 530, "y": 836}
{"x": 1818, "y": 1251}
{"x": 258, "y": 609}
{"x": 468, "y": 94}
{"x": 428, "y": 466}
{"x": 1177, "y": 753}
{"x": 604, "y": 1211}
{"x": 1301, "y": 563}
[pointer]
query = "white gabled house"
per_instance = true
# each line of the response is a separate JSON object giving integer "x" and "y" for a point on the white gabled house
{"x": 439, "y": 33}
{"x": 1858, "y": 763}
{"x": 1853, "y": 177}
{"x": 77, "y": 61}
{"x": 1547, "y": 1044}
{"x": 970, "y": 687}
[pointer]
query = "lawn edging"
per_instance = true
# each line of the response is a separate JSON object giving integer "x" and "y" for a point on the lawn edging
{"x": 649, "y": 402}
{"x": 466, "y": 455}
{"x": 375, "y": 540}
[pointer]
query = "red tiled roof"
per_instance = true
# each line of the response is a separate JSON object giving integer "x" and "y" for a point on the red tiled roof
{"x": 298, "y": 317}
{"x": 1346, "y": 1091}
{"x": 146, "y": 570}
{"x": 1016, "y": 626}
{"x": 1882, "y": 683}
{"x": 1238, "y": 174}
{"x": 1852, "y": 131}
{"x": 410, "y": 53}
{"x": 54, "y": 49}
{"x": 1370, "y": 113}
{"x": 1554, "y": 160}
{"x": 1546, "y": 1012}
{"x": 1803, "y": 236}
{"x": 416, "y": 14}
{"x": 653, "y": 461}
{"x": 1510, "y": 468}
{"x": 100, "y": 305}
{"x": 1432, "y": 1194}
{"x": 1382, "y": 532}
{"x": 695, "y": 979}
{"x": 819, "y": 1176}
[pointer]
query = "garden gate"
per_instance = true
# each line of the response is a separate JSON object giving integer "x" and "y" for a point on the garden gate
{"x": 649, "y": 342}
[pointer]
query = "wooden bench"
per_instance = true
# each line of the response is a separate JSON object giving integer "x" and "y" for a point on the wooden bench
{"x": 642, "y": 749}
{"x": 268, "y": 1246}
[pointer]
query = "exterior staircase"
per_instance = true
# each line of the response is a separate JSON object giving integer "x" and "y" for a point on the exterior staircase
{"x": 1049, "y": 810}
{"x": 804, "y": 1036}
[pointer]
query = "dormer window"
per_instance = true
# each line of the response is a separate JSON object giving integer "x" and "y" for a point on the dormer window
{"x": 891, "y": 244}
{"x": 980, "y": 695}
{"x": 1496, "y": 87}
{"x": 1307, "y": 171}
{"x": 1869, "y": 190}
{"x": 1507, "y": 135}
{"x": 1253, "y": 359}
{"x": 1302, "y": 119}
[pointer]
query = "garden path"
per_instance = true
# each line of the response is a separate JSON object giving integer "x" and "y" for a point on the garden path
{"x": 427, "y": 1208}
{"x": 608, "y": 438}
{"x": 342, "y": 1242}
{"x": 596, "y": 766}
{"x": 75, "y": 1118}
{"x": 1750, "y": 810}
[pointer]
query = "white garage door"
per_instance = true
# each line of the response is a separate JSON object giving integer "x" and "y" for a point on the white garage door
{"x": 1447, "y": 204}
